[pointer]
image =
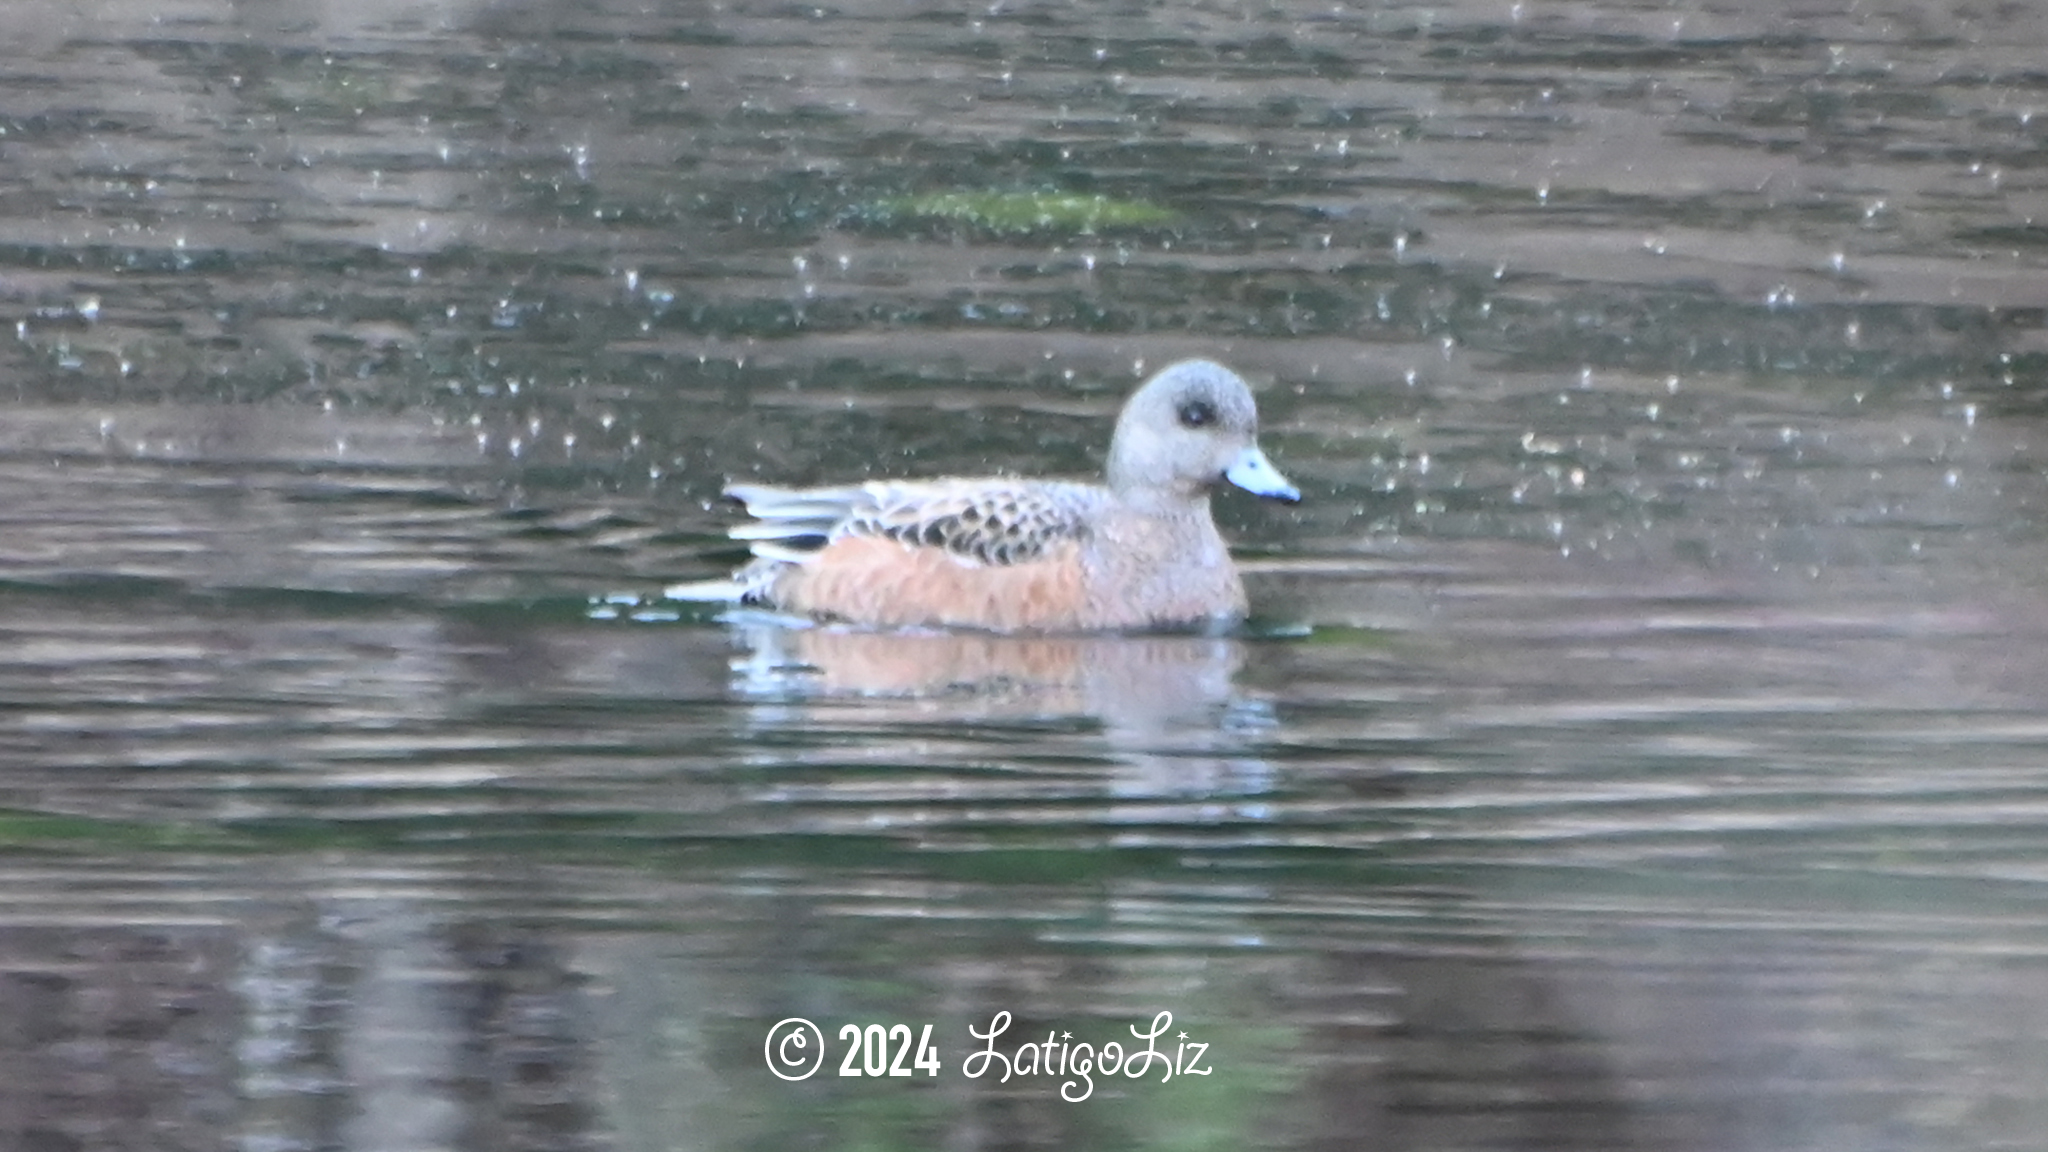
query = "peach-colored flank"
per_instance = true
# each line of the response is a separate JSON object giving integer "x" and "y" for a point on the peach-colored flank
{"x": 876, "y": 580}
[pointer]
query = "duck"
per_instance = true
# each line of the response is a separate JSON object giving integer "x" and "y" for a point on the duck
{"x": 1138, "y": 550}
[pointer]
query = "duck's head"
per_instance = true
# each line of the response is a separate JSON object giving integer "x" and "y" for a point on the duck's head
{"x": 1188, "y": 428}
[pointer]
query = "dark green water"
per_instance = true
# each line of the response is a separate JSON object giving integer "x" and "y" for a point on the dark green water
{"x": 1640, "y": 743}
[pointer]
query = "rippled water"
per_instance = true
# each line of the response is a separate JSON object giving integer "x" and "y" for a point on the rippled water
{"x": 1639, "y": 742}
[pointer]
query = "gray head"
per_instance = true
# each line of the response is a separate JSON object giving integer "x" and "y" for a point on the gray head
{"x": 1189, "y": 427}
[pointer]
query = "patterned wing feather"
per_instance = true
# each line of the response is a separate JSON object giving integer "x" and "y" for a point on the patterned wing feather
{"x": 985, "y": 522}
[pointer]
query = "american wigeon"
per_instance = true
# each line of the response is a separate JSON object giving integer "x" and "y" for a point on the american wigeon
{"x": 1017, "y": 555}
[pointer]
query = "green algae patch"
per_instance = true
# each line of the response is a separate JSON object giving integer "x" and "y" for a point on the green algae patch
{"x": 23, "y": 829}
{"x": 1033, "y": 211}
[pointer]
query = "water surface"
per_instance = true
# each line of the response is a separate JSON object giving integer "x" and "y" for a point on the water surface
{"x": 1639, "y": 742}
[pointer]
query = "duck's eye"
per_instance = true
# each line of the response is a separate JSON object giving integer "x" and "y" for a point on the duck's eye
{"x": 1197, "y": 414}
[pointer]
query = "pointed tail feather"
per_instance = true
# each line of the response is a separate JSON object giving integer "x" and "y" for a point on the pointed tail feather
{"x": 707, "y": 591}
{"x": 790, "y": 525}
{"x": 770, "y": 503}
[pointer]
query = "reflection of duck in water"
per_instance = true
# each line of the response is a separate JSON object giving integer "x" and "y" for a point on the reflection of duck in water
{"x": 1173, "y": 722}
{"x": 1147, "y": 682}
{"x": 1017, "y": 555}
